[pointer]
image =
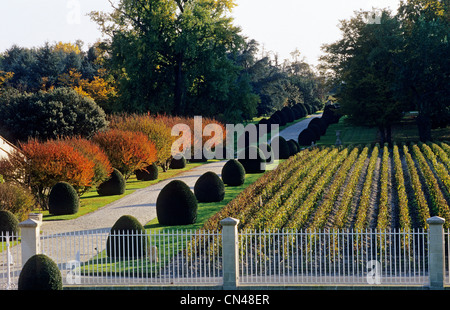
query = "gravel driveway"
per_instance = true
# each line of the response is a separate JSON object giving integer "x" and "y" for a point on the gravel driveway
{"x": 142, "y": 203}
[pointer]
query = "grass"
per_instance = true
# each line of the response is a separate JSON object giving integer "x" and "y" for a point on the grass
{"x": 349, "y": 135}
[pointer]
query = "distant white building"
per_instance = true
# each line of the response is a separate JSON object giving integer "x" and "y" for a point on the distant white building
{"x": 6, "y": 148}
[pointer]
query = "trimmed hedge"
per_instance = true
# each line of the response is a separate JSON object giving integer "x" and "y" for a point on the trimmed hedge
{"x": 127, "y": 239}
{"x": 209, "y": 188}
{"x": 233, "y": 173}
{"x": 150, "y": 173}
{"x": 283, "y": 151}
{"x": 63, "y": 199}
{"x": 306, "y": 137}
{"x": 253, "y": 160}
{"x": 40, "y": 273}
{"x": 176, "y": 204}
{"x": 179, "y": 163}
{"x": 294, "y": 148}
{"x": 8, "y": 223}
{"x": 115, "y": 185}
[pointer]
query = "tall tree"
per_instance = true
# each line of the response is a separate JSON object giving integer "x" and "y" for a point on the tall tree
{"x": 174, "y": 56}
{"x": 424, "y": 74}
{"x": 363, "y": 66}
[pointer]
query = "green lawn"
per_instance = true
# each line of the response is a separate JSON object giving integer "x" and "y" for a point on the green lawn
{"x": 349, "y": 134}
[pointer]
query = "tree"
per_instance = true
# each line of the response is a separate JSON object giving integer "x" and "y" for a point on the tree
{"x": 44, "y": 115}
{"x": 424, "y": 74}
{"x": 174, "y": 56}
{"x": 363, "y": 65}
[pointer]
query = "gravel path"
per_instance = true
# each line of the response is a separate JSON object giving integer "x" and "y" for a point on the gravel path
{"x": 142, "y": 203}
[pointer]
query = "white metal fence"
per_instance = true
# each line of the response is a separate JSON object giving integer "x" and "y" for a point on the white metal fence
{"x": 87, "y": 258}
{"x": 335, "y": 257}
{"x": 134, "y": 258}
{"x": 10, "y": 260}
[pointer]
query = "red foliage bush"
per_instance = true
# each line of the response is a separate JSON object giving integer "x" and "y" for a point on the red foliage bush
{"x": 127, "y": 151}
{"x": 156, "y": 129}
{"x": 102, "y": 165}
{"x": 40, "y": 165}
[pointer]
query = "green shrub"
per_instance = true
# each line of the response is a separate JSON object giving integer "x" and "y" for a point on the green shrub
{"x": 275, "y": 119}
{"x": 282, "y": 116}
{"x": 289, "y": 115}
{"x": 8, "y": 223}
{"x": 115, "y": 185}
{"x": 178, "y": 163}
{"x": 63, "y": 199}
{"x": 176, "y": 204}
{"x": 127, "y": 239}
{"x": 316, "y": 130}
{"x": 283, "y": 151}
{"x": 40, "y": 273}
{"x": 16, "y": 199}
{"x": 209, "y": 188}
{"x": 253, "y": 160}
{"x": 233, "y": 173}
{"x": 293, "y": 147}
{"x": 321, "y": 124}
{"x": 306, "y": 137}
{"x": 150, "y": 173}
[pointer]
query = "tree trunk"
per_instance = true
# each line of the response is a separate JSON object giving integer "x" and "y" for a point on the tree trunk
{"x": 382, "y": 134}
{"x": 388, "y": 134}
{"x": 424, "y": 127}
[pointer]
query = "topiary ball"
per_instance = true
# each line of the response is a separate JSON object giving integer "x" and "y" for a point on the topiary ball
{"x": 115, "y": 185}
{"x": 127, "y": 239}
{"x": 40, "y": 273}
{"x": 316, "y": 130}
{"x": 149, "y": 173}
{"x": 306, "y": 137}
{"x": 283, "y": 151}
{"x": 63, "y": 199}
{"x": 209, "y": 188}
{"x": 8, "y": 224}
{"x": 321, "y": 124}
{"x": 253, "y": 160}
{"x": 233, "y": 173}
{"x": 176, "y": 204}
{"x": 293, "y": 147}
{"x": 178, "y": 163}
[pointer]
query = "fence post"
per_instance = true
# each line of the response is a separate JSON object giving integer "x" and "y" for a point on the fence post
{"x": 29, "y": 231}
{"x": 436, "y": 252}
{"x": 230, "y": 253}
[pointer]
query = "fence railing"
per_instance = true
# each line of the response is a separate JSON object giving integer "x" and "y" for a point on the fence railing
{"x": 334, "y": 257}
{"x": 230, "y": 258}
{"x": 10, "y": 260}
{"x": 135, "y": 258}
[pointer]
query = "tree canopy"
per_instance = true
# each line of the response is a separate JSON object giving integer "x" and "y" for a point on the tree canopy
{"x": 398, "y": 63}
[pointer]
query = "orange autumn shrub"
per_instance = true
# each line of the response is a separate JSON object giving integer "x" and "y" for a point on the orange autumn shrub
{"x": 156, "y": 130}
{"x": 40, "y": 165}
{"x": 215, "y": 139}
{"x": 102, "y": 165}
{"x": 127, "y": 151}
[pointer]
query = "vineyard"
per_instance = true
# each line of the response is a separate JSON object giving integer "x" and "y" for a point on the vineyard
{"x": 357, "y": 188}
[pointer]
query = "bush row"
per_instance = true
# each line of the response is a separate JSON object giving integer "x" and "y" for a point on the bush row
{"x": 131, "y": 144}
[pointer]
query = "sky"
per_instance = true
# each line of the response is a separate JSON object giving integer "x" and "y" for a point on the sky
{"x": 280, "y": 26}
